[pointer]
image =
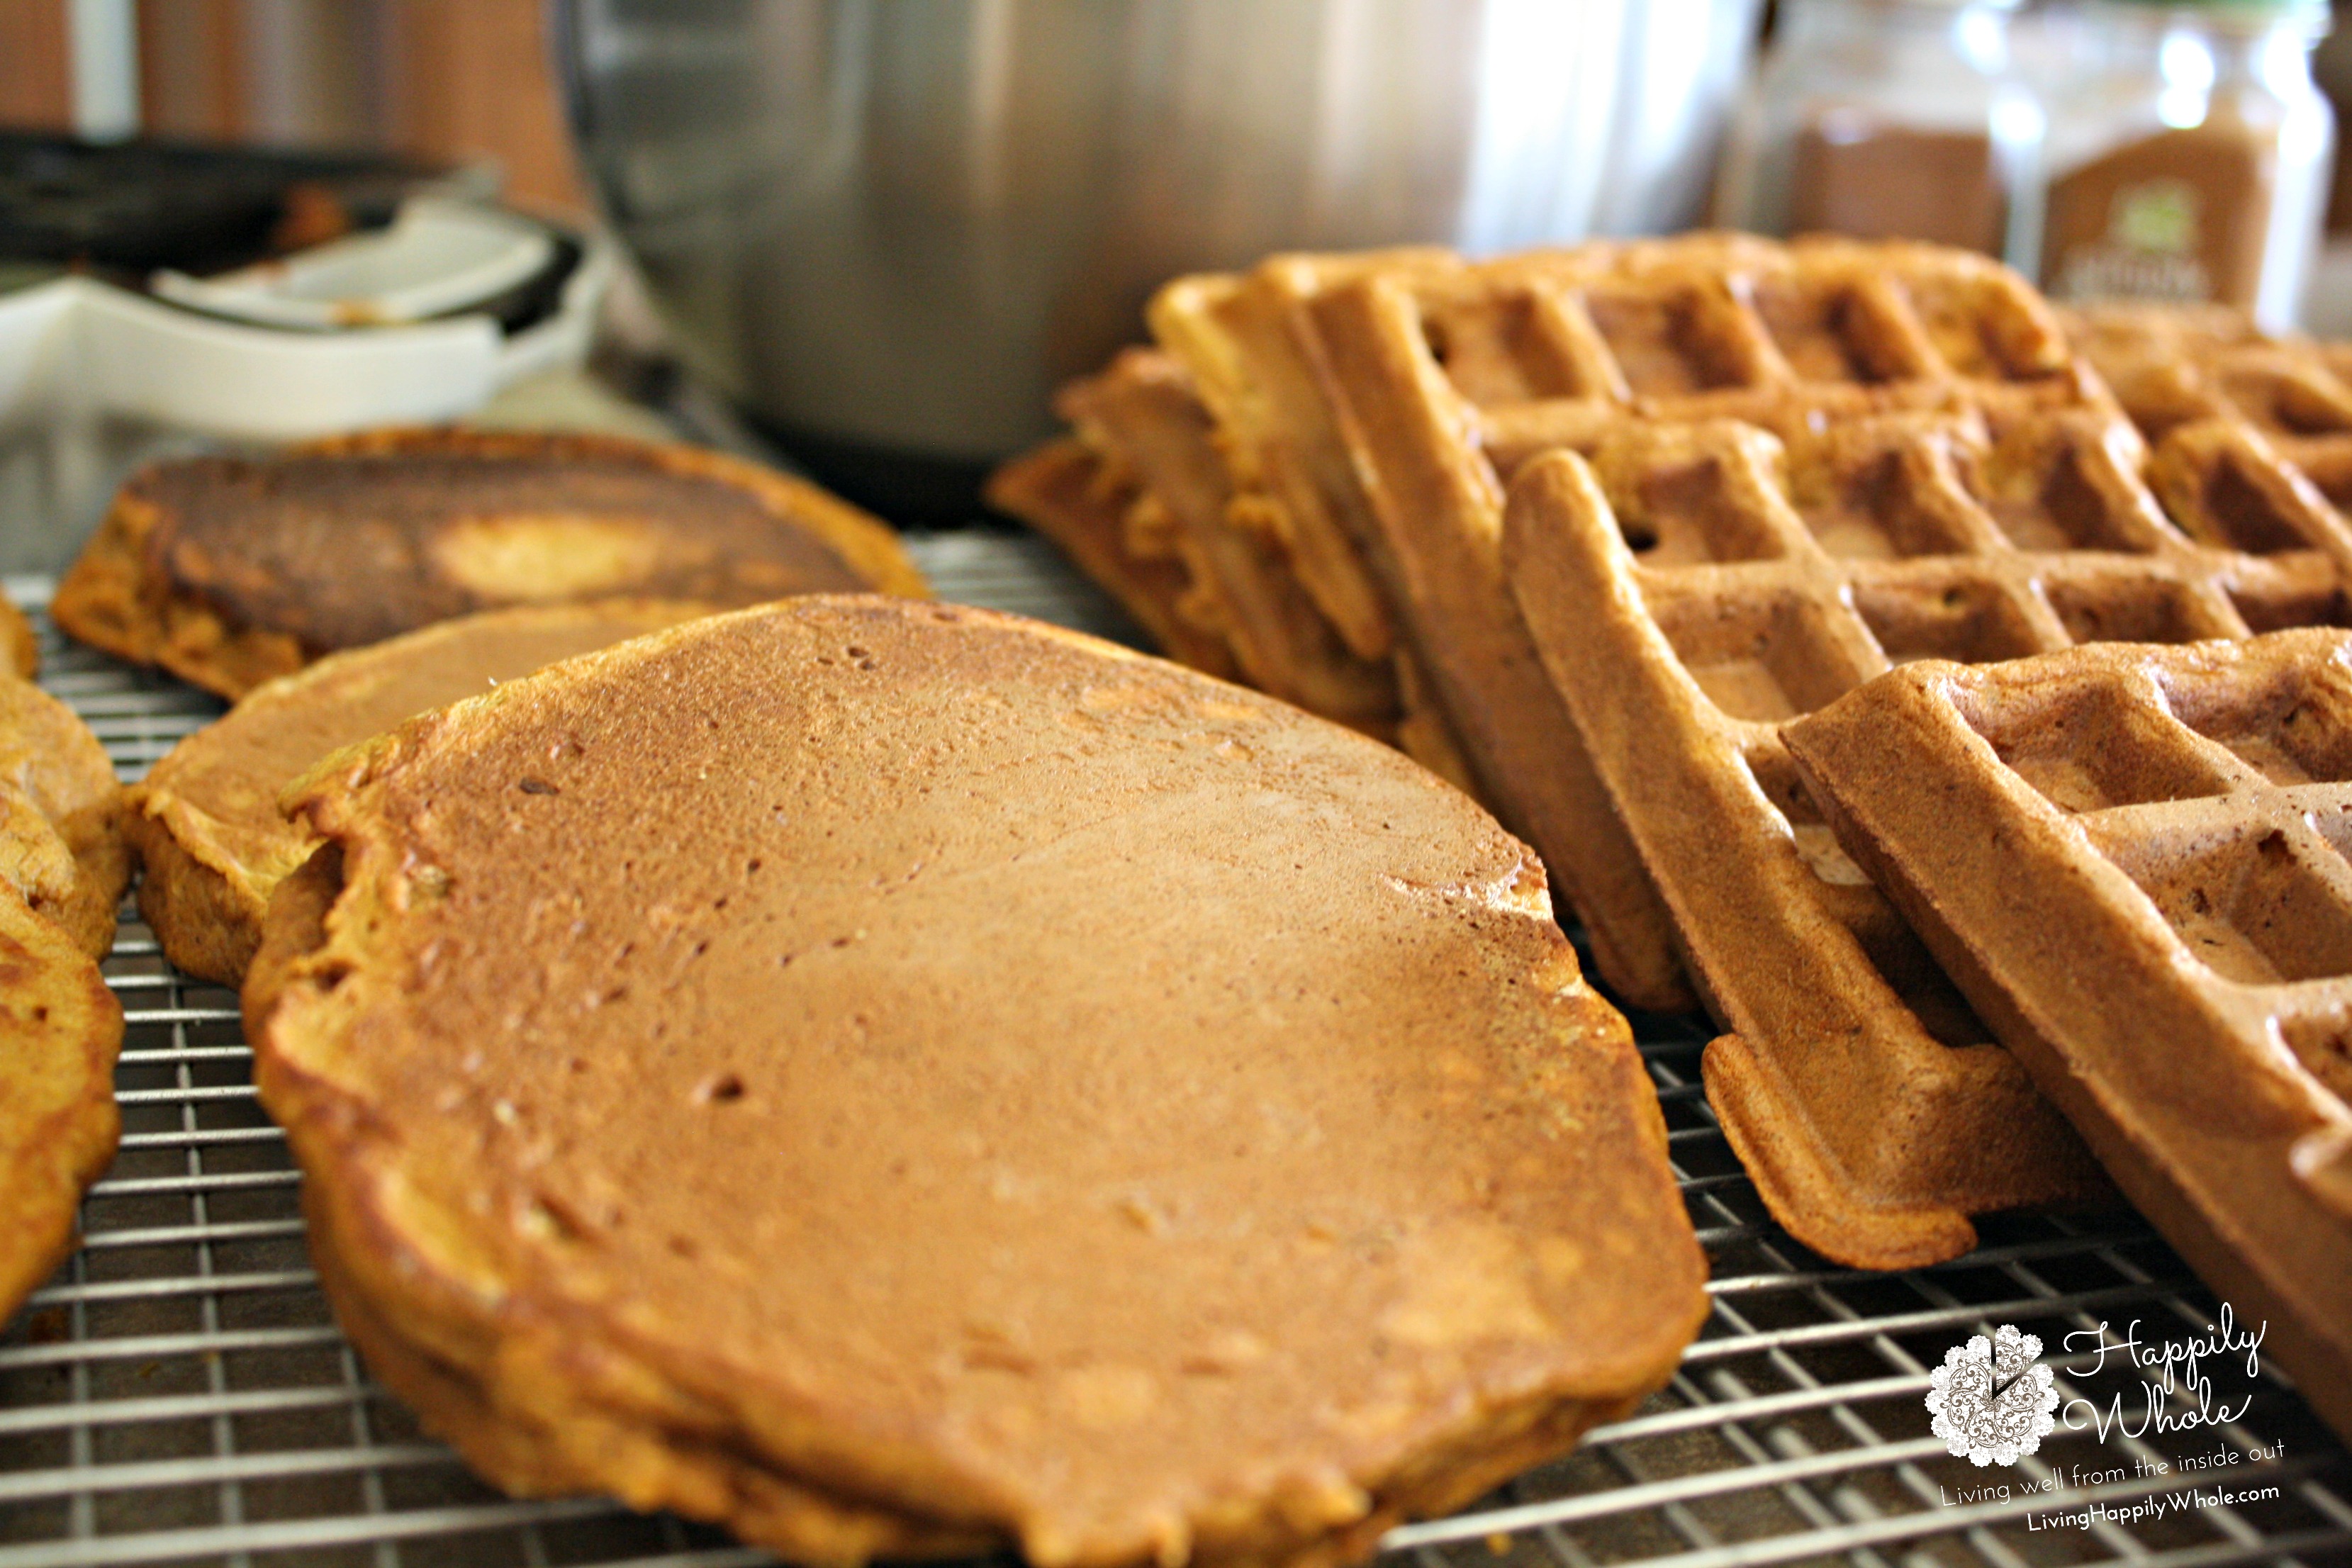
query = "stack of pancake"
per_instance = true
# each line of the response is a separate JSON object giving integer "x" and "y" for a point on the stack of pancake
{"x": 229, "y": 572}
{"x": 900, "y": 1079}
{"x": 62, "y": 871}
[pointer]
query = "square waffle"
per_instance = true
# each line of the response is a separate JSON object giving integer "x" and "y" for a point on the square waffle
{"x": 1442, "y": 380}
{"x": 1144, "y": 500}
{"x": 2118, "y": 848}
{"x": 1825, "y": 458}
{"x": 1289, "y": 464}
{"x": 1092, "y": 504}
{"x": 2246, "y": 426}
{"x": 1142, "y": 408}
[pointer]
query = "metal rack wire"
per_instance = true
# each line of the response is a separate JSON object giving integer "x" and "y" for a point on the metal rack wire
{"x": 179, "y": 1391}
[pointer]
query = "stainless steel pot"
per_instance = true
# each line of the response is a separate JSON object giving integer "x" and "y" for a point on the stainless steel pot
{"x": 898, "y": 224}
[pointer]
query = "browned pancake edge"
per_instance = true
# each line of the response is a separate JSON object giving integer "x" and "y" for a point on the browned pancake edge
{"x": 124, "y": 596}
{"x": 204, "y": 823}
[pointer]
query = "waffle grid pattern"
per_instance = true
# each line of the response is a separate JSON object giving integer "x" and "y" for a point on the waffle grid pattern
{"x": 1898, "y": 537}
{"x": 179, "y": 1391}
{"x": 1821, "y": 460}
{"x": 2177, "y": 814}
{"x": 2236, "y": 801}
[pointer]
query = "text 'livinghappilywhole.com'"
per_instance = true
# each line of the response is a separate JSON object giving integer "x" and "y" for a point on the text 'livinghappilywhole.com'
{"x": 2147, "y": 1507}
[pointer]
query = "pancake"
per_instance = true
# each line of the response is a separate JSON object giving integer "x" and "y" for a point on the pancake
{"x": 205, "y": 823}
{"x": 969, "y": 1079}
{"x": 60, "y": 1030}
{"x": 60, "y": 846}
{"x": 228, "y": 572}
{"x": 18, "y": 647}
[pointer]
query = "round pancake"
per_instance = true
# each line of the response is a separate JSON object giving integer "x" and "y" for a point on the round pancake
{"x": 231, "y": 571}
{"x": 205, "y": 823}
{"x": 60, "y": 1030}
{"x": 61, "y": 847}
{"x": 972, "y": 1074}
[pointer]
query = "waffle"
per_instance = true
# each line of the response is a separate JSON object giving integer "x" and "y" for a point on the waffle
{"x": 2247, "y": 426}
{"x": 1143, "y": 407}
{"x": 1090, "y": 502}
{"x": 205, "y": 822}
{"x": 228, "y": 572}
{"x": 1230, "y": 603}
{"x": 632, "y": 1075}
{"x": 60, "y": 1030}
{"x": 2133, "y": 859}
{"x": 1784, "y": 429}
{"x": 1860, "y": 1092}
{"x": 1286, "y": 461}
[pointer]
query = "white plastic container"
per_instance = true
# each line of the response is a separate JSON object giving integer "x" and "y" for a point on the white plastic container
{"x": 95, "y": 379}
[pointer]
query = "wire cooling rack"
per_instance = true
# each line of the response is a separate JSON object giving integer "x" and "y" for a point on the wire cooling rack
{"x": 179, "y": 1391}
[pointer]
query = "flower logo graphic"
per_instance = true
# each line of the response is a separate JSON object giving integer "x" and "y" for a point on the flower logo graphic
{"x": 1992, "y": 1399}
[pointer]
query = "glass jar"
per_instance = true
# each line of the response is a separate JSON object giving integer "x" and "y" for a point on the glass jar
{"x": 2188, "y": 162}
{"x": 1887, "y": 120}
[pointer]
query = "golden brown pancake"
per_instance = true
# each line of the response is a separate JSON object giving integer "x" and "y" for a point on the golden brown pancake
{"x": 996, "y": 1084}
{"x": 229, "y": 570}
{"x": 60, "y": 1030}
{"x": 205, "y": 822}
{"x": 62, "y": 849}
{"x": 18, "y": 649}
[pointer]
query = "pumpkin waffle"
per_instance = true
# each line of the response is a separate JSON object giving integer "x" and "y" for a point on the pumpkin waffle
{"x": 61, "y": 847}
{"x": 60, "y": 1028}
{"x": 1142, "y": 407}
{"x": 1286, "y": 458}
{"x": 1090, "y": 502}
{"x": 1442, "y": 380}
{"x": 1089, "y": 496}
{"x": 711, "y": 1086}
{"x": 1844, "y": 350}
{"x": 204, "y": 821}
{"x": 2132, "y": 860}
{"x": 1693, "y": 588}
{"x": 2250, "y": 430}
{"x": 228, "y": 572}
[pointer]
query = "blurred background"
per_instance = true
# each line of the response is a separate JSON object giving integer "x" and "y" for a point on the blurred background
{"x": 871, "y": 236}
{"x": 445, "y": 79}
